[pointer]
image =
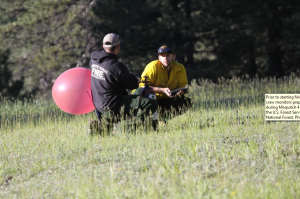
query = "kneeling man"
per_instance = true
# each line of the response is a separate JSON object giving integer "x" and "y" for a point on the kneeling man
{"x": 164, "y": 76}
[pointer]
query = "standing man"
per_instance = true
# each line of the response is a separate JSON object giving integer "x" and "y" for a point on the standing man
{"x": 165, "y": 75}
{"x": 109, "y": 81}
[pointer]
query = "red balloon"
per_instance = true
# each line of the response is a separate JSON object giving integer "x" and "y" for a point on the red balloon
{"x": 72, "y": 91}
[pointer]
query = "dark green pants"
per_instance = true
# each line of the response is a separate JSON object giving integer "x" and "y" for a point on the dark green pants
{"x": 133, "y": 109}
{"x": 171, "y": 107}
{"x": 132, "y": 106}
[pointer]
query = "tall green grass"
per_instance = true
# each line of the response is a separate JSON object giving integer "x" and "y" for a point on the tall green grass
{"x": 222, "y": 148}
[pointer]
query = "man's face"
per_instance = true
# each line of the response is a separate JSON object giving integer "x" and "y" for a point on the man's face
{"x": 166, "y": 59}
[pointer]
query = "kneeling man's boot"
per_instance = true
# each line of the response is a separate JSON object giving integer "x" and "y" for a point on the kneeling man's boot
{"x": 94, "y": 128}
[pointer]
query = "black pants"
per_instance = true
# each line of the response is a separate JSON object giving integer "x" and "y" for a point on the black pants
{"x": 171, "y": 107}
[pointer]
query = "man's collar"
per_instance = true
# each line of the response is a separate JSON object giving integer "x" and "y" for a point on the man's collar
{"x": 173, "y": 66}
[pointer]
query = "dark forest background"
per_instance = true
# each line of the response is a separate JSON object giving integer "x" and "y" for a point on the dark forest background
{"x": 40, "y": 39}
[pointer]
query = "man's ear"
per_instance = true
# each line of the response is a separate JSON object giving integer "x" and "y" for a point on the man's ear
{"x": 174, "y": 57}
{"x": 118, "y": 48}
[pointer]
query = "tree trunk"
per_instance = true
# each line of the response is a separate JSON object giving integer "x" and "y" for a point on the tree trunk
{"x": 274, "y": 45}
{"x": 252, "y": 66}
{"x": 189, "y": 50}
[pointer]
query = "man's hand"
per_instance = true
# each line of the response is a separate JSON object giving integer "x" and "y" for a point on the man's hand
{"x": 166, "y": 91}
{"x": 179, "y": 93}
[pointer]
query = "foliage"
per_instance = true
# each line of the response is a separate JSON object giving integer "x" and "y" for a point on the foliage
{"x": 45, "y": 38}
{"x": 211, "y": 38}
{"x": 8, "y": 86}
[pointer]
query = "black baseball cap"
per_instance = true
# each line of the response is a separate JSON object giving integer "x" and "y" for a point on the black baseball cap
{"x": 165, "y": 49}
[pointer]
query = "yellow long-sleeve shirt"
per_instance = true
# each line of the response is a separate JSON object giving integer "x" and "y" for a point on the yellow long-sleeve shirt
{"x": 158, "y": 76}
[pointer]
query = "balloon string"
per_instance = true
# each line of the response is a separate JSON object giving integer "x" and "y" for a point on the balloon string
{"x": 91, "y": 98}
{"x": 98, "y": 115}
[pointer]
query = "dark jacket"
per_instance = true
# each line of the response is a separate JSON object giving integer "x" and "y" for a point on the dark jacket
{"x": 109, "y": 81}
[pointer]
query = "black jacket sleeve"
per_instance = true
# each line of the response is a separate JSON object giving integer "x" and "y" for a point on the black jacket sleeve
{"x": 126, "y": 78}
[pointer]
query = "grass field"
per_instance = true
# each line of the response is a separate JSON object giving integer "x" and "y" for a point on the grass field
{"x": 222, "y": 148}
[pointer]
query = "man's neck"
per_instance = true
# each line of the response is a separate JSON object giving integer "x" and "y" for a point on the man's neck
{"x": 168, "y": 68}
{"x": 111, "y": 52}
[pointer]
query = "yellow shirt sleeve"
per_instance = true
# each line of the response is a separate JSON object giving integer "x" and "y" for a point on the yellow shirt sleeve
{"x": 150, "y": 72}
